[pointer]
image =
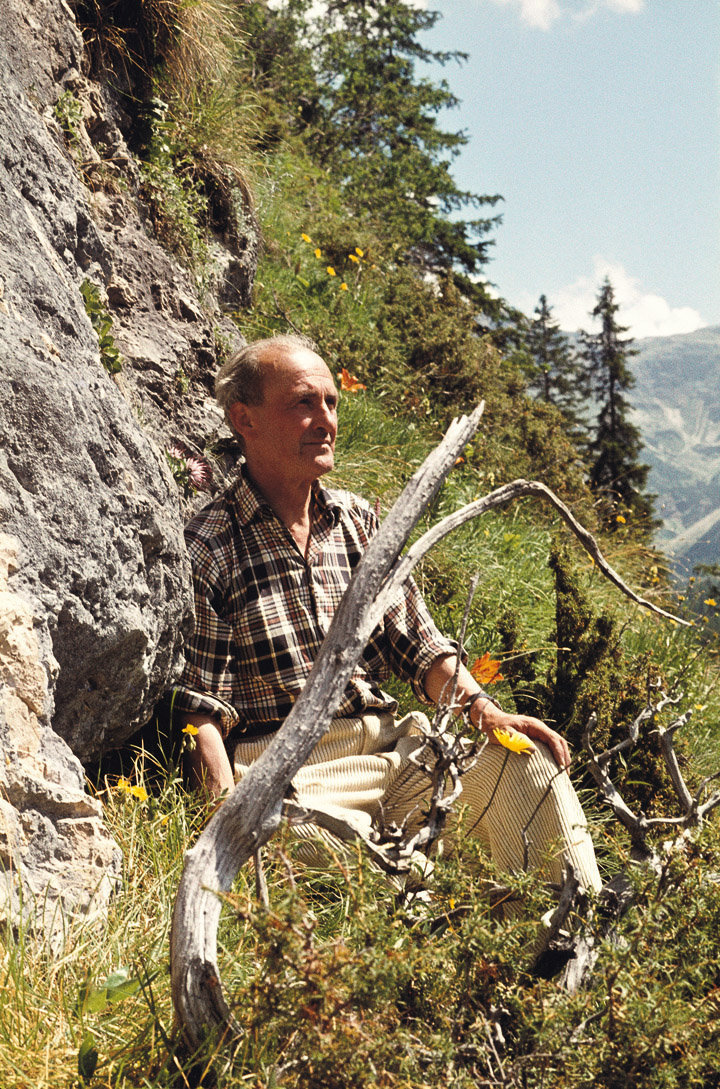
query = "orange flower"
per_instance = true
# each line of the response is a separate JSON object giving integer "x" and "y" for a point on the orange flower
{"x": 348, "y": 382}
{"x": 486, "y": 671}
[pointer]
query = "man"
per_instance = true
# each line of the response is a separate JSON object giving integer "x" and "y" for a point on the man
{"x": 271, "y": 559}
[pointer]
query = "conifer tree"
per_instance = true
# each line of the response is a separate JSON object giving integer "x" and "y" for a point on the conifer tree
{"x": 553, "y": 369}
{"x": 382, "y": 133}
{"x": 615, "y": 445}
{"x": 368, "y": 117}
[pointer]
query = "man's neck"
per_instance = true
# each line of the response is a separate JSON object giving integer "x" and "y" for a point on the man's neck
{"x": 292, "y": 502}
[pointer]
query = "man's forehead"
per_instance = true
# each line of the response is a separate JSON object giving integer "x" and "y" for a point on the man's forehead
{"x": 299, "y": 368}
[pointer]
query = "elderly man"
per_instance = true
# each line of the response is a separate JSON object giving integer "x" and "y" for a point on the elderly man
{"x": 271, "y": 559}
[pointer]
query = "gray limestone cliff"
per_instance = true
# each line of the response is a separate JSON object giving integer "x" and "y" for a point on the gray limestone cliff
{"x": 95, "y": 593}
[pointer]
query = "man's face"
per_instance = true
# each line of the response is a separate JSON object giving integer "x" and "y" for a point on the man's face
{"x": 290, "y": 437}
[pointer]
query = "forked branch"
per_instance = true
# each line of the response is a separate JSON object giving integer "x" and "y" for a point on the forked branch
{"x": 693, "y": 808}
{"x": 253, "y": 810}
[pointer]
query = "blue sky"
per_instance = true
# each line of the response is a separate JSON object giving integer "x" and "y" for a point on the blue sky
{"x": 598, "y": 122}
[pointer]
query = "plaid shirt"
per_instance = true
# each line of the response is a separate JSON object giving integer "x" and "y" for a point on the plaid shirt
{"x": 262, "y": 611}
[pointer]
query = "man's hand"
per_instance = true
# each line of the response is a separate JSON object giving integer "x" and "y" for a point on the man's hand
{"x": 208, "y": 762}
{"x": 487, "y": 717}
{"x": 484, "y": 714}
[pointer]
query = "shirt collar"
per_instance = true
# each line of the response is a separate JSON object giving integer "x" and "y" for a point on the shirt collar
{"x": 251, "y": 503}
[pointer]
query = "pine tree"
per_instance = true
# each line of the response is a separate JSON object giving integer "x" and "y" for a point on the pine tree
{"x": 615, "y": 445}
{"x": 369, "y": 118}
{"x": 383, "y": 134}
{"x": 553, "y": 369}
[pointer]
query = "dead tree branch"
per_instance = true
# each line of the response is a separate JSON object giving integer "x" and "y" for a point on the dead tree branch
{"x": 638, "y": 825}
{"x": 252, "y": 812}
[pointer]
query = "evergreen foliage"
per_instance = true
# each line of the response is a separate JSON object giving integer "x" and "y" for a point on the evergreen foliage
{"x": 615, "y": 445}
{"x": 553, "y": 369}
{"x": 348, "y": 71}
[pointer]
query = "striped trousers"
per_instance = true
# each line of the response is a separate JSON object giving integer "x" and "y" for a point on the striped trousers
{"x": 362, "y": 767}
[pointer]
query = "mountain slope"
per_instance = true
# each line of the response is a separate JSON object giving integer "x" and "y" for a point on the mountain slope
{"x": 676, "y": 405}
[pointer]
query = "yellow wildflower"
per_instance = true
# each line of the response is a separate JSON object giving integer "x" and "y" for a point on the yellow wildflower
{"x": 306, "y": 238}
{"x": 710, "y": 601}
{"x": 331, "y": 271}
{"x": 359, "y": 252}
{"x": 515, "y": 742}
{"x": 126, "y": 787}
{"x": 318, "y": 252}
{"x": 344, "y": 286}
{"x": 190, "y": 729}
{"x": 355, "y": 260}
{"x": 621, "y": 519}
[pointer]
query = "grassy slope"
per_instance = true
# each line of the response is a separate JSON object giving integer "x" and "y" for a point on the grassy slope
{"x": 334, "y": 987}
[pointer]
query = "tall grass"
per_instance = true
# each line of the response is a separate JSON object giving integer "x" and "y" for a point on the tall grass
{"x": 335, "y": 986}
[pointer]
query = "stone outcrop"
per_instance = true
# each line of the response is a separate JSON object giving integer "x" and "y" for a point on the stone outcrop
{"x": 96, "y": 598}
{"x": 56, "y": 859}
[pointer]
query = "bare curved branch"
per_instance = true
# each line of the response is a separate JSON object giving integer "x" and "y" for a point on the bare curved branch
{"x": 253, "y": 810}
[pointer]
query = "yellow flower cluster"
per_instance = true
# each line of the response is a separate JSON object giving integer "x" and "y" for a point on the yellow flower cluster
{"x": 124, "y": 786}
{"x": 330, "y": 269}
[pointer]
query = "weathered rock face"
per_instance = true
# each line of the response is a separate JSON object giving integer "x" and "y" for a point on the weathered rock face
{"x": 56, "y": 859}
{"x": 97, "y": 596}
{"x": 84, "y": 489}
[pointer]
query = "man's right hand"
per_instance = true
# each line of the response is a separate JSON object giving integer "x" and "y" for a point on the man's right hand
{"x": 208, "y": 762}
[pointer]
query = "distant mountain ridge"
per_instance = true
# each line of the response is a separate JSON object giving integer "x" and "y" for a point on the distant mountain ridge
{"x": 676, "y": 405}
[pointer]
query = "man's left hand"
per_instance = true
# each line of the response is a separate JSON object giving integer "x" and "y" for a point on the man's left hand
{"x": 489, "y": 718}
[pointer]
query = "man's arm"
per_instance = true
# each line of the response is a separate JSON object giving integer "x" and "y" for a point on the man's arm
{"x": 484, "y": 713}
{"x": 208, "y": 762}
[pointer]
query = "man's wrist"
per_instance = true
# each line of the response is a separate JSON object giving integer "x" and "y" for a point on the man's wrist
{"x": 475, "y": 706}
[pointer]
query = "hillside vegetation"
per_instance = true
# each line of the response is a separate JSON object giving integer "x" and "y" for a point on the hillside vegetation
{"x": 365, "y": 250}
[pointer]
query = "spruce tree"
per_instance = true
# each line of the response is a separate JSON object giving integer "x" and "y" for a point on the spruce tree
{"x": 553, "y": 369}
{"x": 615, "y": 445}
{"x": 370, "y": 119}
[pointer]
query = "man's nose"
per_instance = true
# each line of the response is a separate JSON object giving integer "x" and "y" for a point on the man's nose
{"x": 327, "y": 416}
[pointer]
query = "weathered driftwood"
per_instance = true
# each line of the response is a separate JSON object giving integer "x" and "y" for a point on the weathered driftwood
{"x": 693, "y": 808}
{"x": 574, "y": 950}
{"x": 252, "y": 812}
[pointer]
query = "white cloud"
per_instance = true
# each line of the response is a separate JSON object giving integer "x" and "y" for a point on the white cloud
{"x": 646, "y": 314}
{"x": 543, "y": 13}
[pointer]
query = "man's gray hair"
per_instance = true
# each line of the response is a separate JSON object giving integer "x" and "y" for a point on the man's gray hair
{"x": 242, "y": 377}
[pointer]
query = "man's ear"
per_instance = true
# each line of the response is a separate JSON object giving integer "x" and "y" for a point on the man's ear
{"x": 241, "y": 418}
